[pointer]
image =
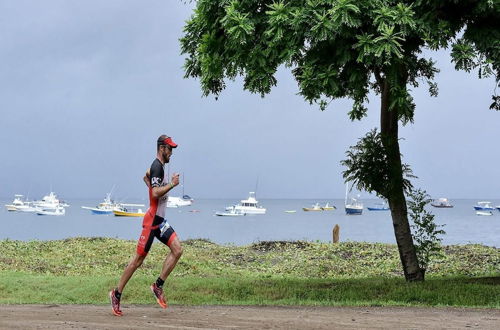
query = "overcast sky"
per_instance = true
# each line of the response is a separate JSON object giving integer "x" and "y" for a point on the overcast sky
{"x": 86, "y": 87}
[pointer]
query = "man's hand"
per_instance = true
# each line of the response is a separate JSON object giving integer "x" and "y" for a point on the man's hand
{"x": 175, "y": 179}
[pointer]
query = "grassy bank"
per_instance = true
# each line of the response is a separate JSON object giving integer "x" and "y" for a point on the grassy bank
{"x": 82, "y": 270}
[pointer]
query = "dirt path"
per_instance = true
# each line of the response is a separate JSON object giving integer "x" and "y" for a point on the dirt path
{"x": 238, "y": 317}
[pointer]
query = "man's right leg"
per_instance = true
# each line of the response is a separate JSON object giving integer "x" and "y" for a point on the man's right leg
{"x": 143, "y": 246}
{"x": 115, "y": 294}
{"x": 135, "y": 263}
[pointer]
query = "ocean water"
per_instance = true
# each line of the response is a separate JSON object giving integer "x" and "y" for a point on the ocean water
{"x": 462, "y": 225}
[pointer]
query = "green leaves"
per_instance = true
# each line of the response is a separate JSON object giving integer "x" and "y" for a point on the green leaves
{"x": 425, "y": 231}
{"x": 463, "y": 55}
{"x": 335, "y": 46}
{"x": 368, "y": 166}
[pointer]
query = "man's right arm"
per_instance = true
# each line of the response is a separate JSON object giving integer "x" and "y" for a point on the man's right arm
{"x": 160, "y": 191}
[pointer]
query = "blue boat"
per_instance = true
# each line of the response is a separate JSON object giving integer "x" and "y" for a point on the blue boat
{"x": 354, "y": 207}
{"x": 483, "y": 206}
{"x": 106, "y": 207}
{"x": 379, "y": 207}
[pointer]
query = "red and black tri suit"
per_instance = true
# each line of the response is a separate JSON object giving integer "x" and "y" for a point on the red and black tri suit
{"x": 156, "y": 213}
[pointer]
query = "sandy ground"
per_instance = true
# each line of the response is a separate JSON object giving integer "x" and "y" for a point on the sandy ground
{"x": 238, "y": 317}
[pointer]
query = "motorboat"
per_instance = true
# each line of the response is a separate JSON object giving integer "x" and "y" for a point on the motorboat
{"x": 58, "y": 210}
{"x": 233, "y": 212}
{"x": 354, "y": 206}
{"x": 486, "y": 213}
{"x": 483, "y": 206}
{"x": 49, "y": 201}
{"x": 315, "y": 207}
{"x": 328, "y": 207}
{"x": 174, "y": 202}
{"x": 248, "y": 206}
{"x": 290, "y": 211}
{"x": 441, "y": 203}
{"x": 16, "y": 203}
{"x": 382, "y": 206}
{"x": 105, "y": 207}
{"x": 129, "y": 210}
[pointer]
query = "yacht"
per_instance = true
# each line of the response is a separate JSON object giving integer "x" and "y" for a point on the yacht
{"x": 441, "y": 203}
{"x": 50, "y": 201}
{"x": 248, "y": 206}
{"x": 16, "y": 204}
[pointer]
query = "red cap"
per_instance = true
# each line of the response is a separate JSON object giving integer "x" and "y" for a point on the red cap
{"x": 167, "y": 141}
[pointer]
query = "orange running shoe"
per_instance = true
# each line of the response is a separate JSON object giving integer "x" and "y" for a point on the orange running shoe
{"x": 158, "y": 293}
{"x": 115, "y": 303}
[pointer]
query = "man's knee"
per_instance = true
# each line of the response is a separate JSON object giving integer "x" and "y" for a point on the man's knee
{"x": 138, "y": 260}
{"x": 177, "y": 251}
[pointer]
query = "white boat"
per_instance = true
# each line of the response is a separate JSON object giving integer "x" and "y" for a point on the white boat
{"x": 248, "y": 206}
{"x": 49, "y": 201}
{"x": 58, "y": 210}
{"x": 233, "y": 212}
{"x": 442, "y": 203}
{"x": 484, "y": 206}
{"x": 290, "y": 211}
{"x": 487, "y": 213}
{"x": 174, "y": 202}
{"x": 354, "y": 207}
{"x": 105, "y": 207}
{"x": 16, "y": 204}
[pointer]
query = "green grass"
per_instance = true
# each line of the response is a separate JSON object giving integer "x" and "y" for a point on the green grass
{"x": 83, "y": 270}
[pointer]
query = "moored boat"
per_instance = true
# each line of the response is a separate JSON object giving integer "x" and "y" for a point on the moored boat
{"x": 328, "y": 207}
{"x": 16, "y": 203}
{"x": 174, "y": 202}
{"x": 248, "y": 206}
{"x": 315, "y": 207}
{"x": 58, "y": 210}
{"x": 354, "y": 207}
{"x": 129, "y": 210}
{"x": 379, "y": 207}
{"x": 483, "y": 206}
{"x": 486, "y": 213}
{"x": 233, "y": 212}
{"x": 105, "y": 207}
{"x": 441, "y": 203}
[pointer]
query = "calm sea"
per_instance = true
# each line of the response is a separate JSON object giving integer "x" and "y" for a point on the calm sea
{"x": 462, "y": 225}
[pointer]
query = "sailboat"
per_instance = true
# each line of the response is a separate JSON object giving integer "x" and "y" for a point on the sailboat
{"x": 354, "y": 207}
{"x": 185, "y": 200}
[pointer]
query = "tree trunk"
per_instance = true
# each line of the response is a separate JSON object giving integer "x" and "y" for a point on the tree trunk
{"x": 397, "y": 202}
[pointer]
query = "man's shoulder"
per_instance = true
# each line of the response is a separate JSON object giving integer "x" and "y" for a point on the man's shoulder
{"x": 156, "y": 164}
{"x": 156, "y": 168}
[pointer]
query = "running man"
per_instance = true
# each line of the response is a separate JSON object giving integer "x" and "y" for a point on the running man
{"x": 154, "y": 225}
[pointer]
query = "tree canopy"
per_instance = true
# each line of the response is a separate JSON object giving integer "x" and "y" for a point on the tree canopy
{"x": 339, "y": 48}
